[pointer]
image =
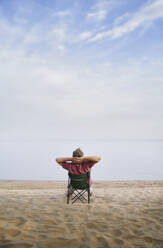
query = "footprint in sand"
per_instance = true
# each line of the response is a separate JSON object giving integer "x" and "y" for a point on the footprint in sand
{"x": 13, "y": 232}
{"x": 137, "y": 233}
{"x": 97, "y": 226}
{"x": 117, "y": 232}
{"x": 21, "y": 221}
{"x": 15, "y": 245}
{"x": 62, "y": 242}
{"x": 153, "y": 240}
{"x": 119, "y": 241}
{"x": 104, "y": 242}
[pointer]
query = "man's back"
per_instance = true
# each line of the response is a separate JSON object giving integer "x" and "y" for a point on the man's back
{"x": 79, "y": 169}
{"x": 78, "y": 165}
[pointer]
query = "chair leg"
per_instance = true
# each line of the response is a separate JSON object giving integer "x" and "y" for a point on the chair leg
{"x": 89, "y": 195}
{"x": 68, "y": 197}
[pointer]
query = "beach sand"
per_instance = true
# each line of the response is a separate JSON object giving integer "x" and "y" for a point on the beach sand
{"x": 121, "y": 214}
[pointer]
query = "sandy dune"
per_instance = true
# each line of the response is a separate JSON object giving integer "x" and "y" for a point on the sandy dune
{"x": 121, "y": 214}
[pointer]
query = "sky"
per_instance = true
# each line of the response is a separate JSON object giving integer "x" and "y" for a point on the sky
{"x": 81, "y": 69}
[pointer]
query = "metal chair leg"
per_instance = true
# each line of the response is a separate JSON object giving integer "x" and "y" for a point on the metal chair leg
{"x": 89, "y": 195}
{"x": 68, "y": 197}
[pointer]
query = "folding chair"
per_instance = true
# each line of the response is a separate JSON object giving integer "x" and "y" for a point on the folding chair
{"x": 80, "y": 186}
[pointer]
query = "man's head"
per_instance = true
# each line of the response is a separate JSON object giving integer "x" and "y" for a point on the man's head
{"x": 78, "y": 153}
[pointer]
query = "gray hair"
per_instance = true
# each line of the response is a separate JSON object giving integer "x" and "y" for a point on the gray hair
{"x": 78, "y": 153}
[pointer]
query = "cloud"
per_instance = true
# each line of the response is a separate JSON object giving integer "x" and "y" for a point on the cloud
{"x": 82, "y": 91}
{"x": 102, "y": 4}
{"x": 61, "y": 48}
{"x": 42, "y": 96}
{"x": 148, "y": 13}
{"x": 121, "y": 19}
{"x": 98, "y": 15}
{"x": 35, "y": 36}
{"x": 59, "y": 33}
{"x": 99, "y": 11}
{"x": 83, "y": 36}
{"x": 63, "y": 13}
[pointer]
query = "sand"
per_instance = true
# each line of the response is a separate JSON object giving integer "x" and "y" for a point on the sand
{"x": 121, "y": 214}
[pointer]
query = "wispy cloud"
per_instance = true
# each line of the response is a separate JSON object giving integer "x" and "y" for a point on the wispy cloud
{"x": 105, "y": 4}
{"x": 99, "y": 11}
{"x": 63, "y": 13}
{"x": 83, "y": 36}
{"x": 61, "y": 48}
{"x": 59, "y": 33}
{"x": 148, "y": 13}
{"x": 98, "y": 15}
{"x": 121, "y": 19}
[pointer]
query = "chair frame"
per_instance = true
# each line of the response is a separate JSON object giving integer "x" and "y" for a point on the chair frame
{"x": 78, "y": 193}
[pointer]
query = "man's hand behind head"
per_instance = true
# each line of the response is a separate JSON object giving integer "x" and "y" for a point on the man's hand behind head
{"x": 77, "y": 160}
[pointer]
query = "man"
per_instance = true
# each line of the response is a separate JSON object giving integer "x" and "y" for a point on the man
{"x": 78, "y": 165}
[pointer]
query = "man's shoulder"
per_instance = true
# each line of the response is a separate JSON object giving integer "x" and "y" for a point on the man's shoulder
{"x": 66, "y": 164}
{"x": 87, "y": 162}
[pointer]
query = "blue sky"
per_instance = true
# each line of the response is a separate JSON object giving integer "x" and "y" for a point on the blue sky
{"x": 81, "y": 69}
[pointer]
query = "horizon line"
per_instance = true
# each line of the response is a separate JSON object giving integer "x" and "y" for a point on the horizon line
{"x": 76, "y": 139}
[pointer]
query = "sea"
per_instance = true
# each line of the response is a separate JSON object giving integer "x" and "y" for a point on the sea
{"x": 120, "y": 159}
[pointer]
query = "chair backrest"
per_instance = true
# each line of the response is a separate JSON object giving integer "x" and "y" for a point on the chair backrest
{"x": 79, "y": 181}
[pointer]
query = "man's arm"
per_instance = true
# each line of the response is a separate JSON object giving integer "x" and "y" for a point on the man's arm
{"x": 62, "y": 160}
{"x": 78, "y": 160}
{"x": 69, "y": 159}
{"x": 94, "y": 159}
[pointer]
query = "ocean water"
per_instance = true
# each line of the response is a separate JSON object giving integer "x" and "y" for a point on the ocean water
{"x": 121, "y": 160}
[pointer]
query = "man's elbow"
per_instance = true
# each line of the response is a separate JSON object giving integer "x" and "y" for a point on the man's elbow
{"x": 98, "y": 159}
{"x": 58, "y": 161}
